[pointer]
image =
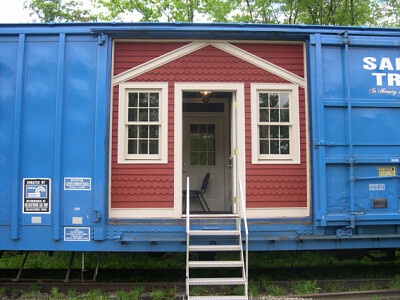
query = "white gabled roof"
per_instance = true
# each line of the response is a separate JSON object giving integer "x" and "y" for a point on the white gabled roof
{"x": 194, "y": 46}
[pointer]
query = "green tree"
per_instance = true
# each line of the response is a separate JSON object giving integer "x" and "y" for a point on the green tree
{"x": 58, "y": 11}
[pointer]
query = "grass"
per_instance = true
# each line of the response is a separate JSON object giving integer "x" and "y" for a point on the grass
{"x": 305, "y": 287}
{"x": 394, "y": 284}
{"x": 136, "y": 292}
{"x": 198, "y": 291}
{"x": 3, "y": 290}
{"x": 157, "y": 295}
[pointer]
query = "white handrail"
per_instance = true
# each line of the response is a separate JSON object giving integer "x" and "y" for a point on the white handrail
{"x": 246, "y": 229}
{"x": 187, "y": 232}
{"x": 187, "y": 205}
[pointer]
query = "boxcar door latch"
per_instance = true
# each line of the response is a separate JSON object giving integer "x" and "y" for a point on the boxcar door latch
{"x": 97, "y": 215}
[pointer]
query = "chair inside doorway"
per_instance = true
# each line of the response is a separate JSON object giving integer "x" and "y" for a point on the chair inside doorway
{"x": 199, "y": 194}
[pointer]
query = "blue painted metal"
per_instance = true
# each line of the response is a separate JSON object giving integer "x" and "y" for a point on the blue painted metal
{"x": 16, "y": 188}
{"x": 54, "y": 123}
{"x": 57, "y": 194}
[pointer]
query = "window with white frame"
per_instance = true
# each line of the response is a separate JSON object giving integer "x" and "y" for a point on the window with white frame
{"x": 143, "y": 123}
{"x": 275, "y": 124}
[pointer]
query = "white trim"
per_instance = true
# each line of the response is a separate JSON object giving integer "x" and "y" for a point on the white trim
{"x": 224, "y": 46}
{"x": 307, "y": 129}
{"x": 294, "y": 156}
{"x": 238, "y": 89}
{"x": 162, "y": 157}
{"x": 279, "y": 212}
{"x": 141, "y": 213}
{"x": 164, "y": 41}
{"x": 157, "y": 62}
{"x": 260, "y": 63}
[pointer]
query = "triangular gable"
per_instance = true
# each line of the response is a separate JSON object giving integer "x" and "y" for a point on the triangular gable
{"x": 224, "y": 46}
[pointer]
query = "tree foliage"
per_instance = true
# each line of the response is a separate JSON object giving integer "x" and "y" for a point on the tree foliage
{"x": 315, "y": 12}
{"x": 58, "y": 11}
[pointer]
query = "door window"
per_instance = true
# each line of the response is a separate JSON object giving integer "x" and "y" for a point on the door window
{"x": 202, "y": 144}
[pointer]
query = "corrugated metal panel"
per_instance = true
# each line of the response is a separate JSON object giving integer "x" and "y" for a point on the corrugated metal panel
{"x": 53, "y": 125}
{"x": 356, "y": 110}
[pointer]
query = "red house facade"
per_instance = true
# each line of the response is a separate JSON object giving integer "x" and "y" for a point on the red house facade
{"x": 184, "y": 109}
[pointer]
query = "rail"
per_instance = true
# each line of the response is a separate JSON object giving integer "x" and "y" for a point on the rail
{"x": 246, "y": 229}
{"x": 187, "y": 231}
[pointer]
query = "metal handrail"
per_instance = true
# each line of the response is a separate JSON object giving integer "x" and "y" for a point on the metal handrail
{"x": 246, "y": 229}
{"x": 187, "y": 232}
{"x": 187, "y": 205}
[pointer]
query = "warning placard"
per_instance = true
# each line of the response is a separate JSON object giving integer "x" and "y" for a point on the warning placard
{"x": 386, "y": 171}
{"x": 36, "y": 198}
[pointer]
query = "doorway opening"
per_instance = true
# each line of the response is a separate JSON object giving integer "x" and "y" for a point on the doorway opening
{"x": 207, "y": 149}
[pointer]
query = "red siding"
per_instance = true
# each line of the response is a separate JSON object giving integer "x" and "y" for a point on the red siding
{"x": 144, "y": 186}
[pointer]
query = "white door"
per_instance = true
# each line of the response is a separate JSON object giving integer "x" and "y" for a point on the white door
{"x": 203, "y": 152}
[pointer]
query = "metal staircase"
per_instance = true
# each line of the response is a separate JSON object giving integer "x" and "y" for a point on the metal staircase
{"x": 225, "y": 238}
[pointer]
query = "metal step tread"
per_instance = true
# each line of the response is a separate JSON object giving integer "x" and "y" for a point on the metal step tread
{"x": 214, "y": 232}
{"x": 215, "y": 248}
{"x": 218, "y": 298}
{"x": 216, "y": 264}
{"x": 217, "y": 281}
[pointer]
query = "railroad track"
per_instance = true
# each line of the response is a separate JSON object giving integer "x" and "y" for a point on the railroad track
{"x": 46, "y": 286}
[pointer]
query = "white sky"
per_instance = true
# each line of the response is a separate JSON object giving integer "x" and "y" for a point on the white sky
{"x": 12, "y": 11}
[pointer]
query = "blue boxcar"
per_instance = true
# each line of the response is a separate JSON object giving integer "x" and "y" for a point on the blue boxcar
{"x": 54, "y": 139}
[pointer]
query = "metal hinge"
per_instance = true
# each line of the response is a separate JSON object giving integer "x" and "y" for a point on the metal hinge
{"x": 97, "y": 215}
{"x": 346, "y": 39}
{"x": 101, "y": 39}
{"x": 323, "y": 143}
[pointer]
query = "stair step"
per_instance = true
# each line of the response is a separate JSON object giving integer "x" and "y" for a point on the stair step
{"x": 218, "y": 298}
{"x": 216, "y": 281}
{"x": 215, "y": 264}
{"x": 214, "y": 232}
{"x": 215, "y": 248}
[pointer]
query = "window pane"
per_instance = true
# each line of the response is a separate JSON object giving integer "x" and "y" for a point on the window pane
{"x": 274, "y": 100}
{"x": 194, "y": 129}
{"x": 284, "y": 100}
{"x": 132, "y": 99}
{"x": 263, "y": 132}
{"x": 264, "y": 115}
{"x": 132, "y": 147}
{"x": 143, "y": 147}
{"x": 284, "y": 132}
{"x": 203, "y": 158}
{"x": 143, "y": 115}
{"x": 284, "y": 115}
{"x": 274, "y": 147}
{"x": 285, "y": 147}
{"x": 211, "y": 158}
{"x": 264, "y": 147}
{"x": 210, "y": 144}
{"x": 263, "y": 99}
{"x": 153, "y": 147}
{"x": 211, "y": 130}
{"x": 194, "y": 158}
{"x": 154, "y": 114}
{"x": 132, "y": 114}
{"x": 143, "y": 99}
{"x": 194, "y": 144}
{"x": 274, "y": 132}
{"x": 143, "y": 132}
{"x": 132, "y": 131}
{"x": 274, "y": 114}
{"x": 202, "y": 144}
{"x": 202, "y": 129}
{"x": 154, "y": 100}
{"x": 154, "y": 131}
